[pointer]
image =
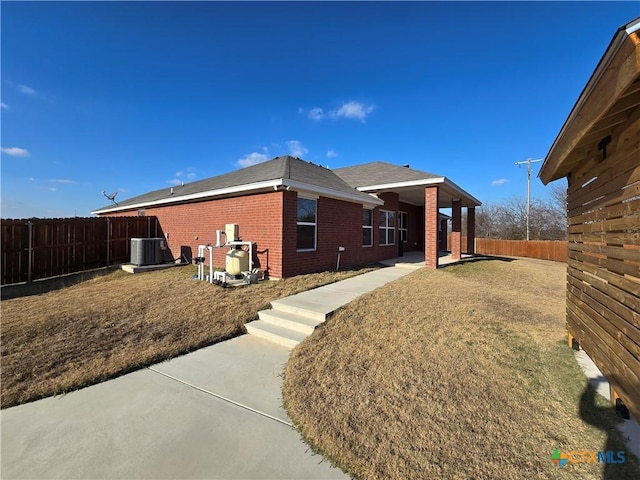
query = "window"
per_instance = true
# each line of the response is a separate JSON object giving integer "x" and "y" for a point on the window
{"x": 387, "y": 227}
{"x": 402, "y": 226}
{"x": 367, "y": 227}
{"x": 306, "y": 230}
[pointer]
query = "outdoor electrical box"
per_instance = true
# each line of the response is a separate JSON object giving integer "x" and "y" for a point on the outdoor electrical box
{"x": 231, "y": 232}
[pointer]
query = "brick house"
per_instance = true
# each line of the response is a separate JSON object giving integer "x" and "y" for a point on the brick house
{"x": 298, "y": 214}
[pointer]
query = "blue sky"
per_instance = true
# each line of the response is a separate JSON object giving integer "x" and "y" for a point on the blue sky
{"x": 132, "y": 97}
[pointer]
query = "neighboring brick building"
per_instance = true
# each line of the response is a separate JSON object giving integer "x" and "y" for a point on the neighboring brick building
{"x": 298, "y": 214}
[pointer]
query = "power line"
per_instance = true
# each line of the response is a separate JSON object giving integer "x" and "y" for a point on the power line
{"x": 528, "y": 162}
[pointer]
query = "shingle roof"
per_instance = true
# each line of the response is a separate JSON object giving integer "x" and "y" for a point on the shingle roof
{"x": 380, "y": 173}
{"x": 285, "y": 167}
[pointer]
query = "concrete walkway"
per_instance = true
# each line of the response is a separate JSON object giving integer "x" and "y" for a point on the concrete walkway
{"x": 290, "y": 320}
{"x": 215, "y": 413}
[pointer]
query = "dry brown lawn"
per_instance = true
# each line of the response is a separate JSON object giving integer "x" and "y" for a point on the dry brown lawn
{"x": 62, "y": 340}
{"x": 458, "y": 373}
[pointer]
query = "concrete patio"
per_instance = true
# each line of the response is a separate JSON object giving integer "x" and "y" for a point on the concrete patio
{"x": 415, "y": 260}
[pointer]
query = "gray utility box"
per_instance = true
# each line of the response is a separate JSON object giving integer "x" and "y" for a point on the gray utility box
{"x": 147, "y": 251}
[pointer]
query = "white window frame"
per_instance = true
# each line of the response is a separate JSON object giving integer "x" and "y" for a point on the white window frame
{"x": 309, "y": 224}
{"x": 369, "y": 227}
{"x": 402, "y": 229}
{"x": 385, "y": 228}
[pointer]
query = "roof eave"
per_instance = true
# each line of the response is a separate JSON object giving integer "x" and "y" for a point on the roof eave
{"x": 608, "y": 68}
{"x": 253, "y": 187}
{"x": 363, "y": 199}
{"x": 470, "y": 198}
{"x": 194, "y": 196}
{"x": 409, "y": 183}
{"x": 452, "y": 187}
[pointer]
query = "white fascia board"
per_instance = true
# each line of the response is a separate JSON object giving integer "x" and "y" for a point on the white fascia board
{"x": 196, "y": 196}
{"x": 327, "y": 192}
{"x": 461, "y": 192}
{"x": 410, "y": 183}
{"x": 419, "y": 183}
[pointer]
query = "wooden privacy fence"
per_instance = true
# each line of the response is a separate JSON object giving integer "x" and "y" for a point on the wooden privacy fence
{"x": 555, "y": 250}
{"x": 42, "y": 248}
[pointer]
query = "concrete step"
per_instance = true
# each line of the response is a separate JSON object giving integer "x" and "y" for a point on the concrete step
{"x": 275, "y": 333}
{"x": 298, "y": 307}
{"x": 289, "y": 320}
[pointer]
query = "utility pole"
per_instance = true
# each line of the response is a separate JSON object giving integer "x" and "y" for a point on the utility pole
{"x": 528, "y": 161}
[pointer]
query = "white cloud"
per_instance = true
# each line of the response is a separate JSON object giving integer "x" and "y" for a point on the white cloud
{"x": 191, "y": 175}
{"x": 32, "y": 179}
{"x": 175, "y": 182}
{"x": 332, "y": 154}
{"x": 499, "y": 182}
{"x": 296, "y": 148}
{"x": 316, "y": 113}
{"x": 353, "y": 111}
{"x": 26, "y": 89}
{"x": 179, "y": 174}
{"x": 4, "y": 105}
{"x": 252, "y": 158}
{"x": 15, "y": 151}
{"x": 64, "y": 181}
{"x": 52, "y": 189}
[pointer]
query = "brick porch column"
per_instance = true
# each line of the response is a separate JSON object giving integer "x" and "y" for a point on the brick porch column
{"x": 471, "y": 230}
{"x": 431, "y": 227}
{"x": 456, "y": 229}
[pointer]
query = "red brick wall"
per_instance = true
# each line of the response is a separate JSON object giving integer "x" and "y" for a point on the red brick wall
{"x": 269, "y": 220}
{"x": 258, "y": 216}
{"x": 338, "y": 224}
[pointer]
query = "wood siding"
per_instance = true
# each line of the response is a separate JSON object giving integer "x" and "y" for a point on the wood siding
{"x": 40, "y": 248}
{"x": 603, "y": 274}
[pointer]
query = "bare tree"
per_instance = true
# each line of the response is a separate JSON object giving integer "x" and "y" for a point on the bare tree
{"x": 558, "y": 196}
{"x": 508, "y": 220}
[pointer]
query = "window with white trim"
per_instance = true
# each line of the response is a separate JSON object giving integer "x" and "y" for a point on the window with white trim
{"x": 307, "y": 227}
{"x": 402, "y": 226}
{"x": 387, "y": 227}
{"x": 367, "y": 227}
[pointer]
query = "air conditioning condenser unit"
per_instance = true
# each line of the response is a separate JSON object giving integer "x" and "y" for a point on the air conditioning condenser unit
{"x": 147, "y": 251}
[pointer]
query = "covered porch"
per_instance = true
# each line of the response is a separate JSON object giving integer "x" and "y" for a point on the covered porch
{"x": 431, "y": 195}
